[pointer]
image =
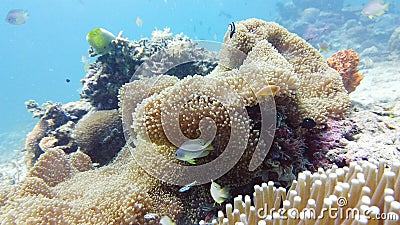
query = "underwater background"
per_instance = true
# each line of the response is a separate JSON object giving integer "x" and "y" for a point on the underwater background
{"x": 45, "y": 58}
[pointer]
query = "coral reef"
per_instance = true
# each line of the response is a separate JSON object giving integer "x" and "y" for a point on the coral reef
{"x": 100, "y": 91}
{"x": 100, "y": 40}
{"x": 224, "y": 100}
{"x": 114, "y": 194}
{"x": 341, "y": 26}
{"x": 112, "y": 70}
{"x": 366, "y": 187}
{"x": 54, "y": 167}
{"x": 99, "y": 134}
{"x": 314, "y": 91}
{"x": 308, "y": 88}
{"x": 346, "y": 63}
{"x": 54, "y": 129}
{"x": 316, "y": 81}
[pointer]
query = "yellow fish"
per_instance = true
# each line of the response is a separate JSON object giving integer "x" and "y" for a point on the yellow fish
{"x": 375, "y": 8}
{"x": 215, "y": 37}
{"x": 100, "y": 40}
{"x": 217, "y": 193}
{"x": 323, "y": 47}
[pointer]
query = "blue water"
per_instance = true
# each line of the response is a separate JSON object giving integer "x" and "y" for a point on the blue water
{"x": 37, "y": 57}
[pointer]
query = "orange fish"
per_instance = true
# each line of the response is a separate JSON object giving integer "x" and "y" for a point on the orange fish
{"x": 269, "y": 90}
{"x": 375, "y": 8}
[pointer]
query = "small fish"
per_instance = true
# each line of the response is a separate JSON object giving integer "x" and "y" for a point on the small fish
{"x": 165, "y": 220}
{"x": 210, "y": 208}
{"x": 139, "y": 21}
{"x": 323, "y": 47}
{"x": 193, "y": 149}
{"x": 308, "y": 123}
{"x": 268, "y": 90}
{"x": 187, "y": 186}
{"x": 17, "y": 17}
{"x": 150, "y": 216}
{"x": 217, "y": 193}
{"x": 215, "y": 37}
{"x": 375, "y": 8}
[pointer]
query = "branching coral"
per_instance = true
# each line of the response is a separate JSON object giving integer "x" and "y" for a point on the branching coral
{"x": 366, "y": 190}
{"x": 346, "y": 62}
